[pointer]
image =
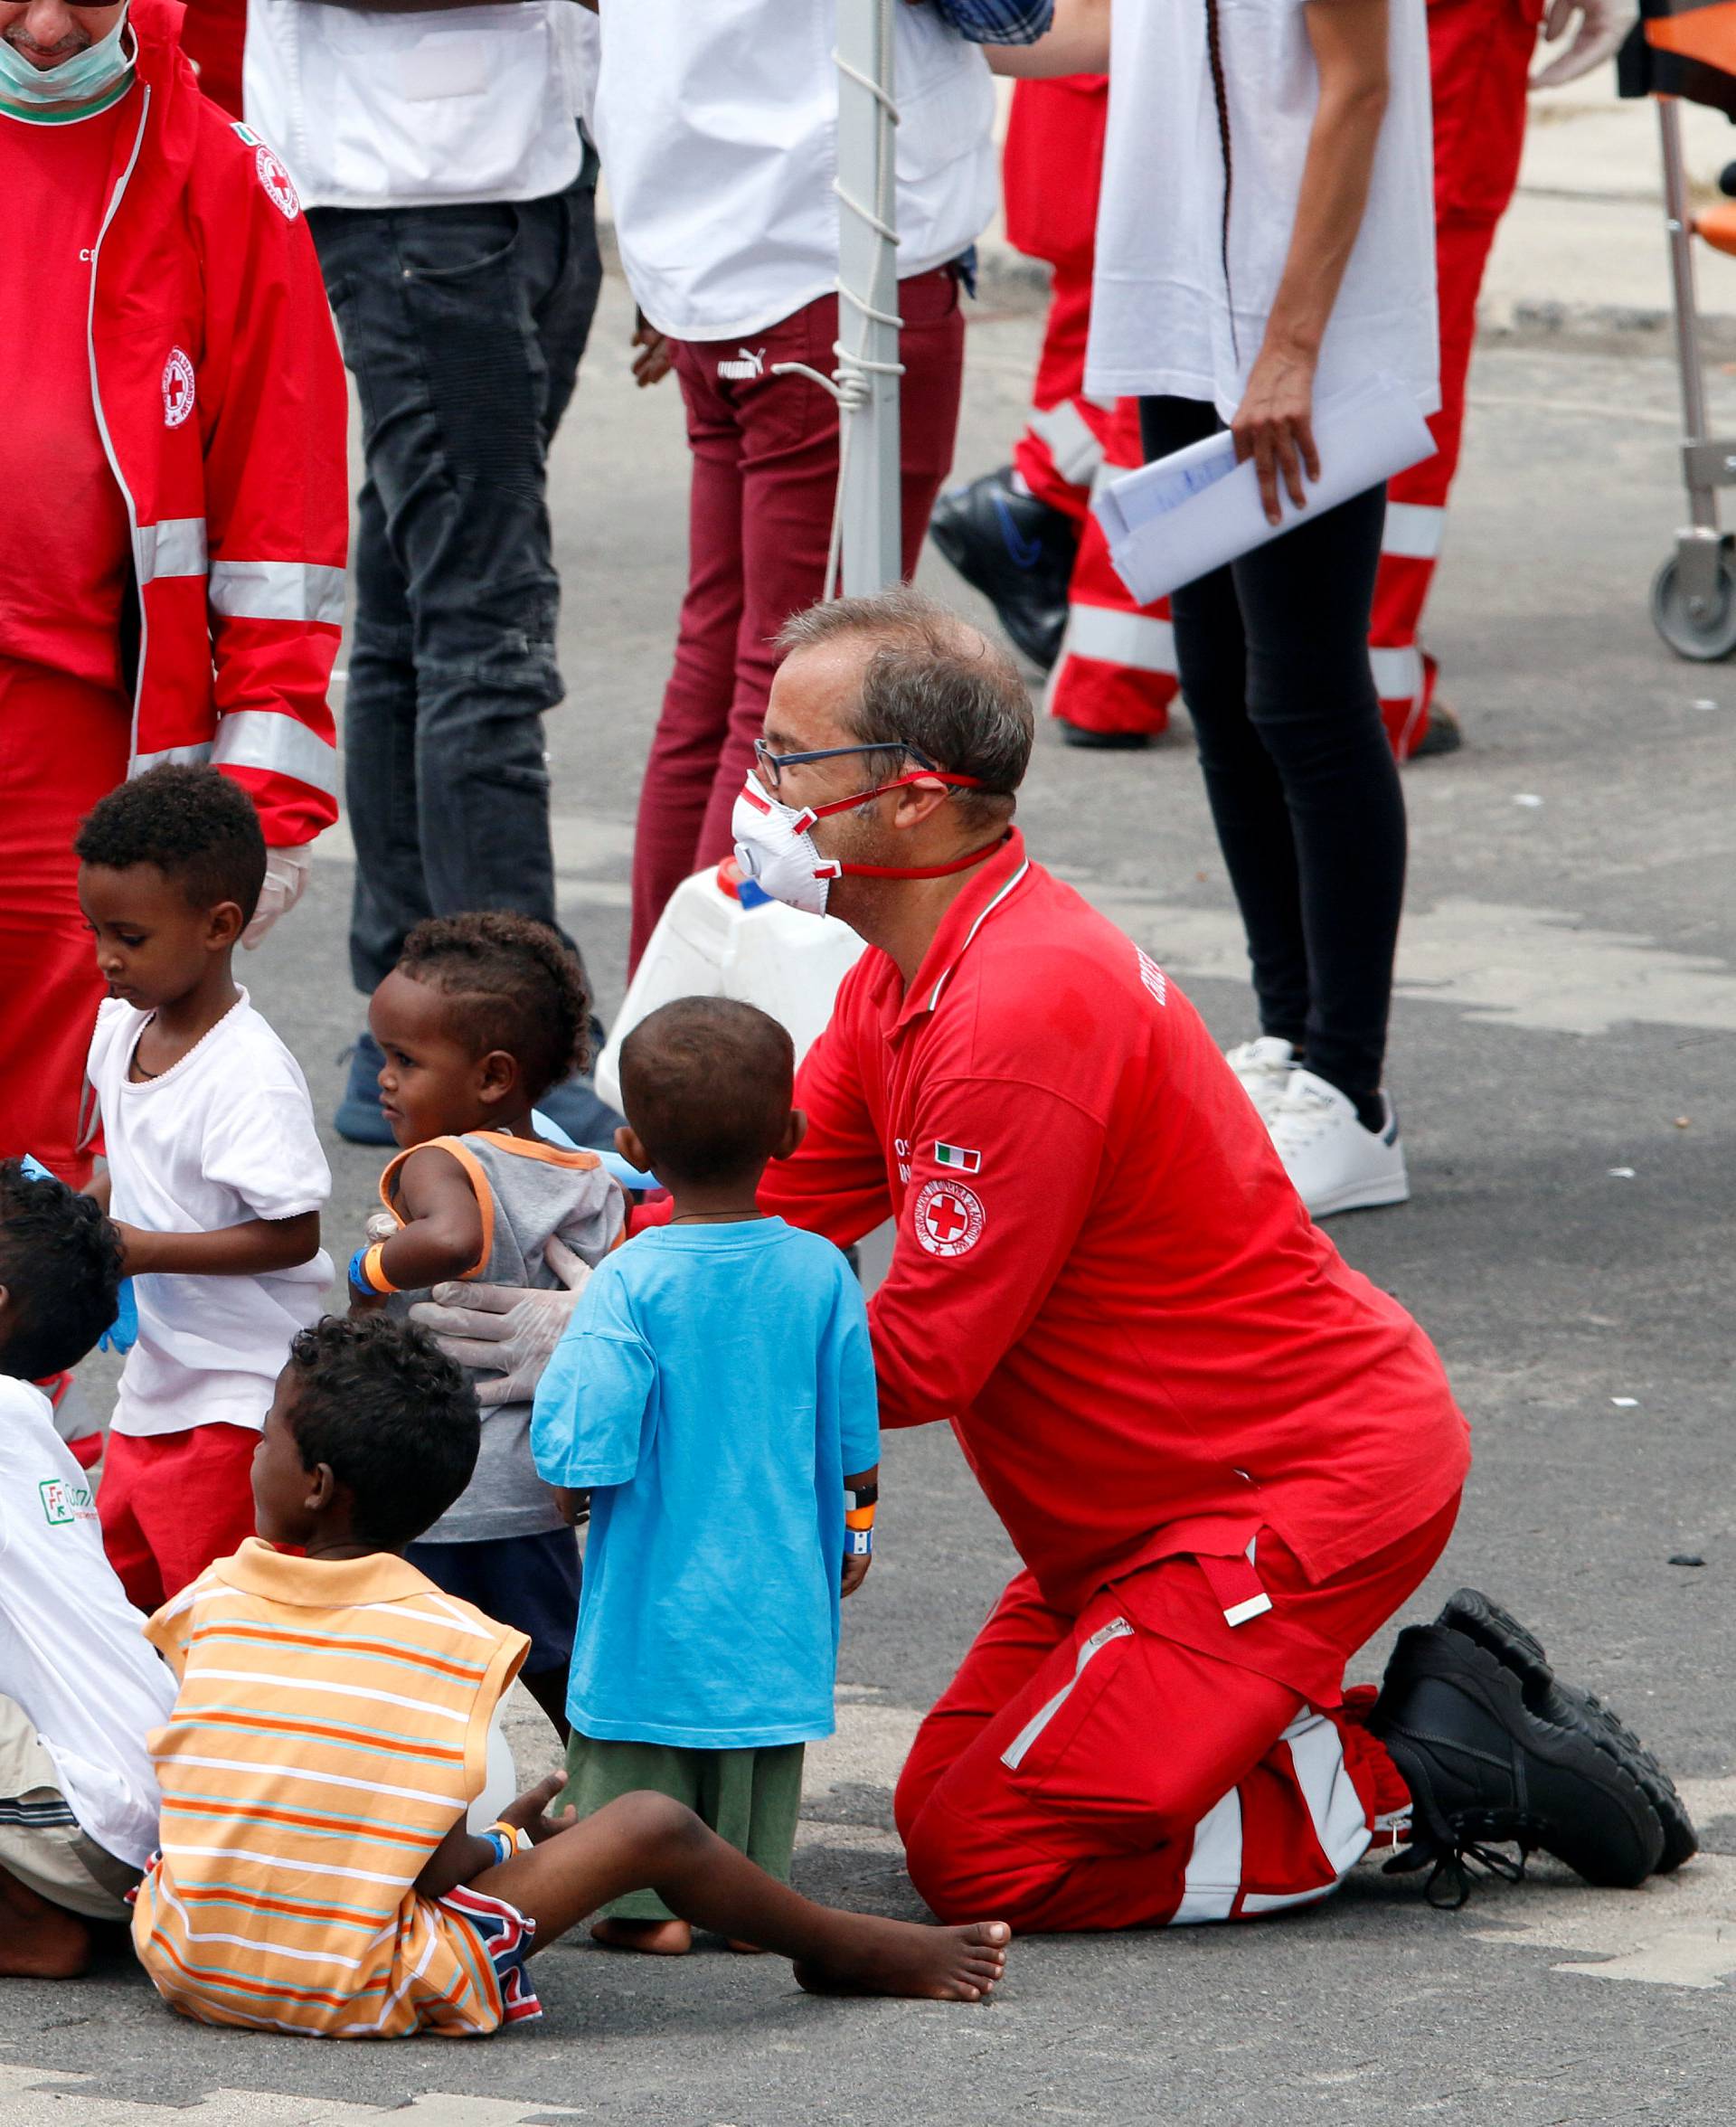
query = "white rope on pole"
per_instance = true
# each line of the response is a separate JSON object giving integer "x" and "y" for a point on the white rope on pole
{"x": 865, "y": 551}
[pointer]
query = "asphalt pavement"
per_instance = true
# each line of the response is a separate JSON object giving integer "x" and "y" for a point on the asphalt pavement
{"x": 1562, "y": 1059}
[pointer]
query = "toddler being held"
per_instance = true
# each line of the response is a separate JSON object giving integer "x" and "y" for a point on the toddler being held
{"x": 482, "y": 1015}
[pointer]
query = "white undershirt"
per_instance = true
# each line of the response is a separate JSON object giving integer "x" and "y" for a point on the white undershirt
{"x": 1161, "y": 319}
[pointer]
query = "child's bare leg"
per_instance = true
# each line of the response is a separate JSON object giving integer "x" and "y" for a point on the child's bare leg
{"x": 656, "y": 1938}
{"x": 547, "y": 1687}
{"x": 647, "y": 1840}
{"x": 39, "y": 1940}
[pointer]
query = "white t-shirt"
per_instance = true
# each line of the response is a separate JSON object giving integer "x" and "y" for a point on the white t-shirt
{"x": 225, "y": 1136}
{"x": 718, "y": 126}
{"x": 435, "y": 107}
{"x": 1161, "y": 320}
{"x": 73, "y": 1650}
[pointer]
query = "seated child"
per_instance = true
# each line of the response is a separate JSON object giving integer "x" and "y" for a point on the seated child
{"x": 79, "y": 1690}
{"x": 317, "y": 1872}
{"x": 215, "y": 1174}
{"x": 714, "y": 1393}
{"x": 482, "y": 1015}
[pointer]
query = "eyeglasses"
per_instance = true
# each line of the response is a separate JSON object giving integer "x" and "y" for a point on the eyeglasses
{"x": 773, "y": 765}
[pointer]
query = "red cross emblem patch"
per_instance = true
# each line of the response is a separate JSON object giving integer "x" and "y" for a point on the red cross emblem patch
{"x": 949, "y": 1218}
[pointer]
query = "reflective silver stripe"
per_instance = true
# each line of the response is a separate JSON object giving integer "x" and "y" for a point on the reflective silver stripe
{"x": 277, "y": 591}
{"x": 170, "y": 757}
{"x": 176, "y": 547}
{"x": 1317, "y": 1754}
{"x": 1413, "y": 530}
{"x": 1213, "y": 1874}
{"x": 1398, "y": 674}
{"x": 1013, "y": 1756}
{"x": 1074, "y": 450}
{"x": 262, "y": 739}
{"x": 1134, "y": 640}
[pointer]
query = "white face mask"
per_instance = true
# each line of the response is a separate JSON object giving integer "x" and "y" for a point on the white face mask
{"x": 775, "y": 847}
{"x": 78, "y": 79}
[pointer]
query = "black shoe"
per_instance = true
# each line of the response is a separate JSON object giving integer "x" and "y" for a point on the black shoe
{"x": 1472, "y": 1613}
{"x": 1483, "y": 1768}
{"x": 1101, "y": 742}
{"x": 1018, "y": 552}
{"x": 1443, "y": 733}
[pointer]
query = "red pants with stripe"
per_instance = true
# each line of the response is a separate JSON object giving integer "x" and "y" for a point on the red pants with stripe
{"x": 62, "y": 746}
{"x": 764, "y": 452}
{"x": 1117, "y": 668}
{"x": 1479, "y": 53}
{"x": 1101, "y": 1771}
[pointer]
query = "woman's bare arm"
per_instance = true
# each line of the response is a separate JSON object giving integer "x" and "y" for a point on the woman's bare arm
{"x": 1076, "y": 43}
{"x": 1273, "y": 423}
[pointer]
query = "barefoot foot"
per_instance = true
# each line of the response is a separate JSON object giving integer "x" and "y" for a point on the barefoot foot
{"x": 925, "y": 1963}
{"x": 654, "y": 1938}
{"x": 39, "y": 1940}
{"x": 744, "y": 1949}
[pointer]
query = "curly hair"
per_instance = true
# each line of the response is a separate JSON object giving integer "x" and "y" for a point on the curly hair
{"x": 510, "y": 983}
{"x": 198, "y": 827}
{"x": 393, "y": 1418}
{"x": 59, "y": 1262}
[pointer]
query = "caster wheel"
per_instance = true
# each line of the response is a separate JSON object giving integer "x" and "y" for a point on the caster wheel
{"x": 1705, "y": 636}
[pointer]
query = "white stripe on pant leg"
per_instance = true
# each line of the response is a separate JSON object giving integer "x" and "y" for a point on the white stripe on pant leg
{"x": 1076, "y": 452}
{"x": 1398, "y": 674}
{"x": 1414, "y": 531}
{"x": 1133, "y": 640}
{"x": 1340, "y": 1821}
{"x": 1213, "y": 1877}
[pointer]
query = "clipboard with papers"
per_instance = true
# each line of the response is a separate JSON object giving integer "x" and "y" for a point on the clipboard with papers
{"x": 1183, "y": 515}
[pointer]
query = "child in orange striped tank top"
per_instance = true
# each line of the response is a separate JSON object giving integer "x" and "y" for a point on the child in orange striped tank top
{"x": 317, "y": 1872}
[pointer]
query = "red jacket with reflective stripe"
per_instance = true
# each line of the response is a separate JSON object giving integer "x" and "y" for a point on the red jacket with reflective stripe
{"x": 1101, "y": 1274}
{"x": 219, "y": 398}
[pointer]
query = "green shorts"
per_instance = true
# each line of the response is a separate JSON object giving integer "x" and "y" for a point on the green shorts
{"x": 751, "y": 1798}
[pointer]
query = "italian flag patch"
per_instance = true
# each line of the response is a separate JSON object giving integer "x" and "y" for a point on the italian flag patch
{"x": 958, "y": 1156}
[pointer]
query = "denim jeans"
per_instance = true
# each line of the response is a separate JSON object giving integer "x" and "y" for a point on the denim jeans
{"x": 463, "y": 326}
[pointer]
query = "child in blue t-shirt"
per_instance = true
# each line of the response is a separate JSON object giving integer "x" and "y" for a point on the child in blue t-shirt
{"x": 714, "y": 1394}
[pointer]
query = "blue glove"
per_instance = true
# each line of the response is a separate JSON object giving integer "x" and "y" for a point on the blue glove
{"x": 122, "y": 1333}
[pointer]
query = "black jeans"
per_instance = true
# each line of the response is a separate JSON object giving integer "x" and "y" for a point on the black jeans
{"x": 464, "y": 326}
{"x": 1273, "y": 653}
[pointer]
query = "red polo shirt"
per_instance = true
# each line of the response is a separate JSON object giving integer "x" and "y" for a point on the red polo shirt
{"x": 1103, "y": 1277}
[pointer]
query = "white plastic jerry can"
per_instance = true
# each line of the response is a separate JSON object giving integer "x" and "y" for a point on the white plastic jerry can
{"x": 719, "y": 936}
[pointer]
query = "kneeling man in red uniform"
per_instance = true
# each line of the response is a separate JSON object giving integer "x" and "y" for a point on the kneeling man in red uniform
{"x": 1225, "y": 1458}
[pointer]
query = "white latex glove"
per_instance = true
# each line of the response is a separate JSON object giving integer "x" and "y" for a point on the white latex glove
{"x": 1602, "y": 24}
{"x": 286, "y": 881}
{"x": 382, "y": 1225}
{"x": 504, "y": 1331}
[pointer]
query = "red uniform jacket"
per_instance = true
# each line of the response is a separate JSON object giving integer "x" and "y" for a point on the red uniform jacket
{"x": 219, "y": 397}
{"x": 1101, "y": 1276}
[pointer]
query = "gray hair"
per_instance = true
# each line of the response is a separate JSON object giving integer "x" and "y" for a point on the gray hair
{"x": 933, "y": 682}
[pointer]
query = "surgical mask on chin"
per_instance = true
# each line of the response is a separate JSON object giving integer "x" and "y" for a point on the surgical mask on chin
{"x": 77, "y": 80}
{"x": 775, "y": 847}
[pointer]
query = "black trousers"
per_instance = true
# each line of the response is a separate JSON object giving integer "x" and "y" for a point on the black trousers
{"x": 1272, "y": 654}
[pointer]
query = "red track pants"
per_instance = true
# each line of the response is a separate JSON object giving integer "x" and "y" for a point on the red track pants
{"x": 62, "y": 746}
{"x": 1479, "y": 53}
{"x": 765, "y": 475}
{"x": 171, "y": 1502}
{"x": 1097, "y": 1772}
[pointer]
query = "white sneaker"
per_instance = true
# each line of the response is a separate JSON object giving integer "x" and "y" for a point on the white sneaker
{"x": 1335, "y": 1164}
{"x": 1264, "y": 1067}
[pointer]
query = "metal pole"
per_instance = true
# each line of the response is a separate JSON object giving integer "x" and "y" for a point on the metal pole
{"x": 1678, "y": 220}
{"x": 869, "y": 493}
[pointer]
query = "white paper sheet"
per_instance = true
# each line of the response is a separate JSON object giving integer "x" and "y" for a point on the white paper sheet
{"x": 1183, "y": 515}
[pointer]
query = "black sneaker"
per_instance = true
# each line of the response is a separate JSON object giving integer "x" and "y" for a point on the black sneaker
{"x": 1474, "y": 1614}
{"x": 1484, "y": 1769}
{"x": 1102, "y": 742}
{"x": 1018, "y": 552}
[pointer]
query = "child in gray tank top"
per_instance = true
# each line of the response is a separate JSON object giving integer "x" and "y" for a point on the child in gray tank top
{"x": 482, "y": 1015}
